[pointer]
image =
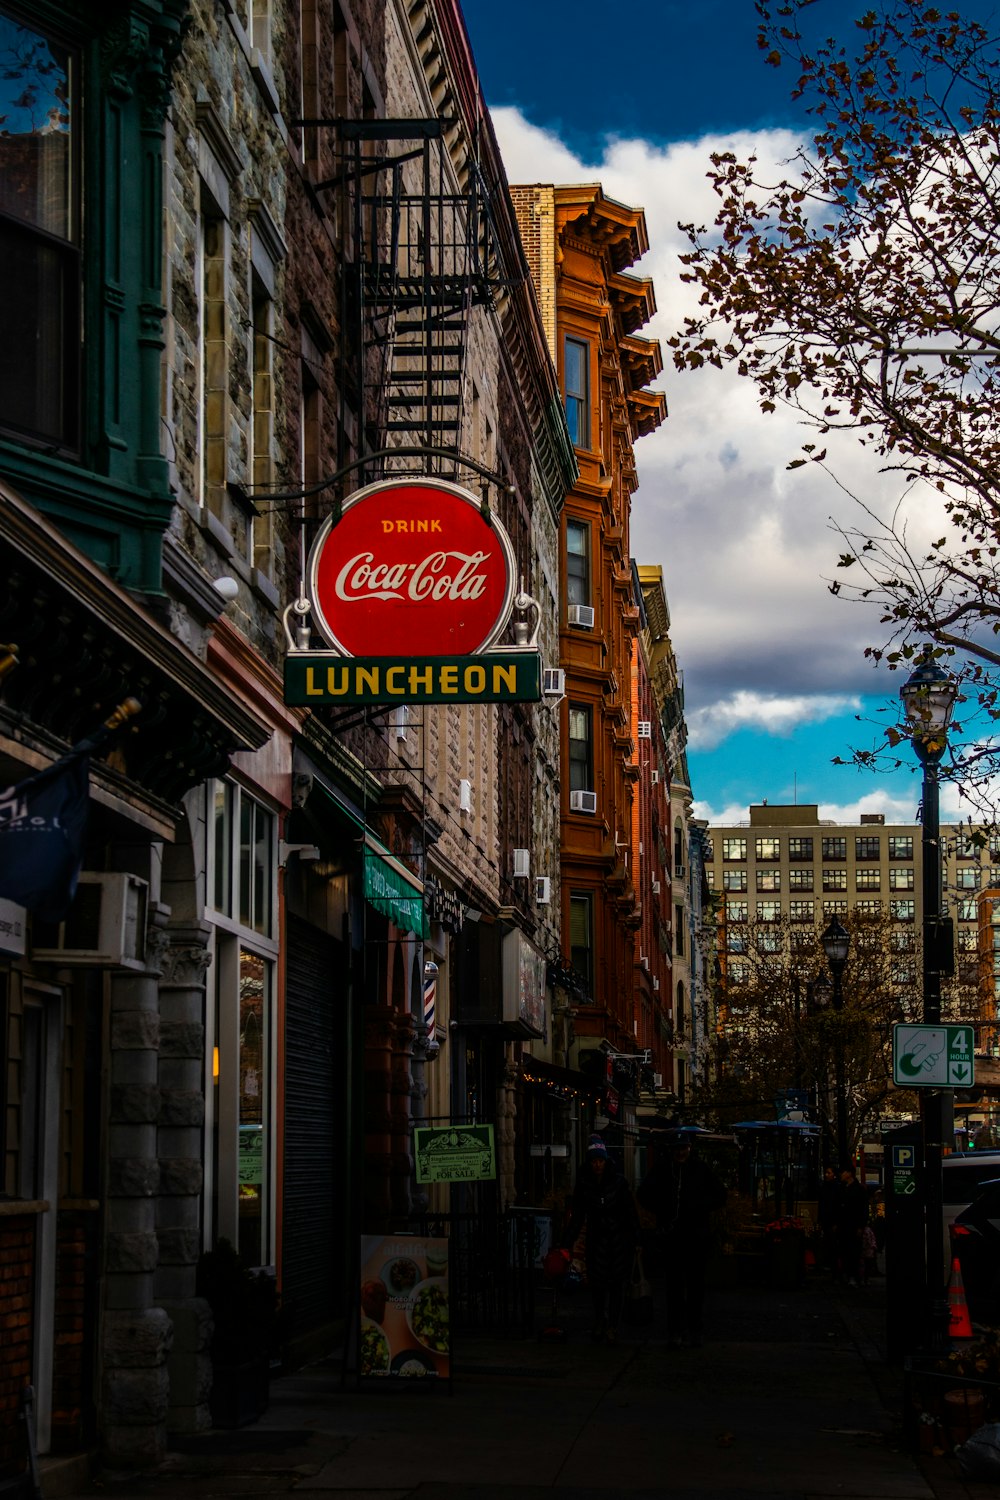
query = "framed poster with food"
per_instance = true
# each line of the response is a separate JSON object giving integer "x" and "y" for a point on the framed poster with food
{"x": 404, "y": 1310}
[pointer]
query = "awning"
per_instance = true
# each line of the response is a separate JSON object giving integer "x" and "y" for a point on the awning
{"x": 392, "y": 890}
{"x": 563, "y": 1083}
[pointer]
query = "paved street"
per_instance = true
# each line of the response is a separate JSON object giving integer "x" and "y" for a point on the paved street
{"x": 789, "y": 1396}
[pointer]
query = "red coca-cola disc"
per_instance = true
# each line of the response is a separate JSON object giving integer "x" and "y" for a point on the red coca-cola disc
{"x": 412, "y": 568}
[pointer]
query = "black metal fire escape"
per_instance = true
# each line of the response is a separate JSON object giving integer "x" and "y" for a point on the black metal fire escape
{"x": 422, "y": 257}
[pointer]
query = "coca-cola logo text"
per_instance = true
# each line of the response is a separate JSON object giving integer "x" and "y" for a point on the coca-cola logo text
{"x": 430, "y": 578}
{"x": 412, "y": 567}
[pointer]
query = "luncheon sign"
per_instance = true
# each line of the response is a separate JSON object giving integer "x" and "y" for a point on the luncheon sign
{"x": 411, "y": 588}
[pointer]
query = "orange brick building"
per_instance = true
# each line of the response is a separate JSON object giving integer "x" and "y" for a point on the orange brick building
{"x": 580, "y": 245}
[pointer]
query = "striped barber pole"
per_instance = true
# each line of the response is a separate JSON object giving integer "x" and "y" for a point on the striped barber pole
{"x": 430, "y": 999}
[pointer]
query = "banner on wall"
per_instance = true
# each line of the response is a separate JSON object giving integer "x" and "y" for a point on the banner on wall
{"x": 404, "y": 1307}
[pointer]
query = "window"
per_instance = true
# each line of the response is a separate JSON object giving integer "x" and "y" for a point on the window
{"x": 866, "y": 846}
{"x": 679, "y": 930}
{"x": 767, "y": 848}
{"x": 994, "y": 876}
{"x": 736, "y": 941}
{"x": 901, "y": 880}
{"x": 867, "y": 910}
{"x": 578, "y": 590}
{"x": 800, "y": 848}
{"x": 576, "y": 379}
{"x": 868, "y": 879}
{"x": 994, "y": 845}
{"x": 734, "y": 848}
{"x": 900, "y": 846}
{"x": 240, "y": 1040}
{"x": 967, "y": 911}
{"x": 581, "y": 760}
{"x": 835, "y": 847}
{"x": 800, "y": 911}
{"x": 903, "y": 911}
{"x": 213, "y": 357}
{"x": 834, "y": 908}
{"x": 262, "y": 419}
{"x": 902, "y": 941}
{"x": 966, "y": 846}
{"x": 768, "y": 911}
{"x": 966, "y": 939}
{"x": 40, "y": 238}
{"x": 768, "y": 942}
{"x": 967, "y": 879}
{"x": 581, "y": 940}
{"x": 737, "y": 911}
{"x": 769, "y": 880}
{"x": 736, "y": 973}
{"x": 800, "y": 880}
{"x": 835, "y": 880}
{"x": 802, "y": 941}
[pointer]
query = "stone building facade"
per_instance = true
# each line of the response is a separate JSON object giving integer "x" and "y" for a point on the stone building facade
{"x": 259, "y": 1016}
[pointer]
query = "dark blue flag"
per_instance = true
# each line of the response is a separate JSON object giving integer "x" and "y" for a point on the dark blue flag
{"x": 42, "y": 822}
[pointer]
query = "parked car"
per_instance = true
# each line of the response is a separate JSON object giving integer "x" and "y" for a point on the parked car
{"x": 975, "y": 1240}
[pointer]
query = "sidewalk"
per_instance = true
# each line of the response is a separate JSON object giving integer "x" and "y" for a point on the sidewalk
{"x": 790, "y": 1396}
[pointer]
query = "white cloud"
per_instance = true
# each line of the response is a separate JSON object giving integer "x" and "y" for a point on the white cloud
{"x": 710, "y": 725}
{"x": 746, "y": 547}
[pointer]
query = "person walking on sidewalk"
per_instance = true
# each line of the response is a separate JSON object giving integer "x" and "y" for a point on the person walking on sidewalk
{"x": 603, "y": 1204}
{"x": 682, "y": 1193}
{"x": 852, "y": 1217}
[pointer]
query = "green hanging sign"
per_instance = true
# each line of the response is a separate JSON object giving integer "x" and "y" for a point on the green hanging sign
{"x": 389, "y": 891}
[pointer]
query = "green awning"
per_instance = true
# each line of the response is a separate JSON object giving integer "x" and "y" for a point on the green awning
{"x": 393, "y": 891}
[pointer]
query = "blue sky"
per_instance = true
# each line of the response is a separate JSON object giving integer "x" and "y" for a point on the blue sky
{"x": 776, "y": 681}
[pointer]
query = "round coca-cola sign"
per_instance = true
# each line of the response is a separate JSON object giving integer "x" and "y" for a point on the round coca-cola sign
{"x": 412, "y": 568}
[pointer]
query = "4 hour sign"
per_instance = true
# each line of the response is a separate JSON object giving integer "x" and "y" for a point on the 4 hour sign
{"x": 937, "y": 1056}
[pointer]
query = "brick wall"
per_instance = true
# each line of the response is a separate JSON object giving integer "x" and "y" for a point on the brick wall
{"x": 70, "y": 1407}
{"x": 17, "y": 1274}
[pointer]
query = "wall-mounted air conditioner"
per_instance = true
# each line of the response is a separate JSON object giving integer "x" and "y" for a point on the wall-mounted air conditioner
{"x": 656, "y": 887}
{"x": 465, "y": 796}
{"x": 644, "y": 960}
{"x": 553, "y": 682}
{"x": 105, "y": 926}
{"x": 656, "y": 983}
{"x": 399, "y": 719}
{"x": 522, "y": 864}
{"x": 585, "y": 802}
{"x": 543, "y": 890}
{"x": 654, "y": 777}
{"x": 580, "y": 614}
{"x": 657, "y": 1080}
{"x": 645, "y": 729}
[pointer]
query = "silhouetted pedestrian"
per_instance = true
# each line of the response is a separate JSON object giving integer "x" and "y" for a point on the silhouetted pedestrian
{"x": 604, "y": 1205}
{"x": 683, "y": 1192}
{"x": 851, "y": 1221}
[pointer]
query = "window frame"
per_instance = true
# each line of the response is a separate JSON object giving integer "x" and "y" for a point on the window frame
{"x": 579, "y": 576}
{"x": 577, "y": 401}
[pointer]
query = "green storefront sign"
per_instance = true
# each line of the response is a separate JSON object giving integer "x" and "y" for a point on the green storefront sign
{"x": 493, "y": 677}
{"x": 454, "y": 1153}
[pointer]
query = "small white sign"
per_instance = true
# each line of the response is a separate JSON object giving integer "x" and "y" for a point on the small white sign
{"x": 13, "y": 928}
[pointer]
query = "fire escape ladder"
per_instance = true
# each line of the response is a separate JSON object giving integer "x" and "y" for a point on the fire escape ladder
{"x": 424, "y": 257}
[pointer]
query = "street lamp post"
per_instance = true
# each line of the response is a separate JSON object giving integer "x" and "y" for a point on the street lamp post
{"x": 836, "y": 941}
{"x": 928, "y": 698}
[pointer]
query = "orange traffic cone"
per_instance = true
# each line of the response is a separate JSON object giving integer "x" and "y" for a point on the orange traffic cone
{"x": 959, "y": 1322}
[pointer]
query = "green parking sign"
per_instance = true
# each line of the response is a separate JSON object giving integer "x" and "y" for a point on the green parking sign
{"x": 933, "y": 1056}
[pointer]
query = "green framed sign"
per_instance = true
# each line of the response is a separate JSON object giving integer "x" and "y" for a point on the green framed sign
{"x": 492, "y": 677}
{"x": 454, "y": 1153}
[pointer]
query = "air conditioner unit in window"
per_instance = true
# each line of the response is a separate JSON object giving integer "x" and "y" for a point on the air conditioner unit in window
{"x": 105, "y": 926}
{"x": 400, "y": 717}
{"x": 553, "y": 682}
{"x": 465, "y": 796}
{"x": 644, "y": 960}
{"x": 654, "y": 777}
{"x": 656, "y": 887}
{"x": 522, "y": 864}
{"x": 657, "y": 1080}
{"x": 543, "y": 890}
{"x": 656, "y": 983}
{"x": 645, "y": 729}
{"x": 580, "y": 614}
{"x": 583, "y": 802}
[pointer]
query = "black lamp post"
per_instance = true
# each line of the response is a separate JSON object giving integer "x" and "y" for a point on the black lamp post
{"x": 928, "y": 699}
{"x": 836, "y": 941}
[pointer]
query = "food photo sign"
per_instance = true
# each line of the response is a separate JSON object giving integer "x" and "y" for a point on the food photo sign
{"x": 405, "y": 1330}
{"x": 410, "y": 583}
